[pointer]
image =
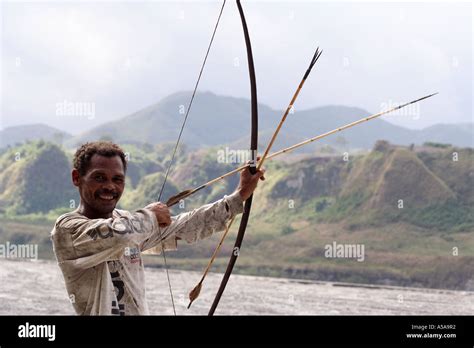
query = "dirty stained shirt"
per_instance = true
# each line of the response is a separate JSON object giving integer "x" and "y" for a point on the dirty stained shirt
{"x": 100, "y": 259}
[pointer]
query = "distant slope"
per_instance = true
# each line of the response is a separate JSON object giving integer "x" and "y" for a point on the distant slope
{"x": 221, "y": 120}
{"x": 20, "y": 134}
{"x": 456, "y": 134}
{"x": 213, "y": 120}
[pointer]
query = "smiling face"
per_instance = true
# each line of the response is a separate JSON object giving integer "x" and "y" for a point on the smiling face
{"x": 101, "y": 186}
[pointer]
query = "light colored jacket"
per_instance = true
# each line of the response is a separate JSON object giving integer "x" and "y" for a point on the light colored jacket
{"x": 101, "y": 258}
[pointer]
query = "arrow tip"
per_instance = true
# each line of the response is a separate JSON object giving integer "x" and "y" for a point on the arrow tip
{"x": 428, "y": 96}
{"x": 315, "y": 58}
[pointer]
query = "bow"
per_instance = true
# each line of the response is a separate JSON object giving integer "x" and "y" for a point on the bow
{"x": 253, "y": 150}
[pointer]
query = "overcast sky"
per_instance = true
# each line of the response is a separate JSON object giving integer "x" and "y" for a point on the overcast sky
{"x": 120, "y": 57}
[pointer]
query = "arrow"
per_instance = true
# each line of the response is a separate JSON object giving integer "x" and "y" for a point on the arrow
{"x": 175, "y": 199}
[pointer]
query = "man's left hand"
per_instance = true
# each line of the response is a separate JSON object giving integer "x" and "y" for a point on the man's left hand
{"x": 248, "y": 182}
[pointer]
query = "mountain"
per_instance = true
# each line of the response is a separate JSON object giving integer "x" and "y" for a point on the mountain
{"x": 459, "y": 134}
{"x": 221, "y": 120}
{"x": 213, "y": 120}
{"x": 20, "y": 134}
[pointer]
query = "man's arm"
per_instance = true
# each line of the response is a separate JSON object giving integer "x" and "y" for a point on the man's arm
{"x": 197, "y": 224}
{"x": 204, "y": 221}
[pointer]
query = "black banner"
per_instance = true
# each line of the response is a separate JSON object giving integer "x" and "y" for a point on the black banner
{"x": 450, "y": 331}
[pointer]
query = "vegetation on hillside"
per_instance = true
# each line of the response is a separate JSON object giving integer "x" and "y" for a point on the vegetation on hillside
{"x": 410, "y": 207}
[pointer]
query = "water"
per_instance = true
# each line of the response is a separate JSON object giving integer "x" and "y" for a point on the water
{"x": 37, "y": 288}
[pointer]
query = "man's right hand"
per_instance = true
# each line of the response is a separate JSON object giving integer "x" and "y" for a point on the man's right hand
{"x": 162, "y": 213}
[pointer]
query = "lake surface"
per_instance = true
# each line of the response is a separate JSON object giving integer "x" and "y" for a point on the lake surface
{"x": 37, "y": 288}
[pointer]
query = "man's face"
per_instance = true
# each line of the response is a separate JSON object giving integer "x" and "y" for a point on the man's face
{"x": 102, "y": 186}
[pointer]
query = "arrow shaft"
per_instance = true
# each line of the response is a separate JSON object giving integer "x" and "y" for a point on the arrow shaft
{"x": 317, "y": 54}
{"x": 216, "y": 251}
{"x": 362, "y": 120}
{"x": 275, "y": 134}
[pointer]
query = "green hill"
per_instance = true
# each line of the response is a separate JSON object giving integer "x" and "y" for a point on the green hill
{"x": 35, "y": 178}
{"x": 410, "y": 207}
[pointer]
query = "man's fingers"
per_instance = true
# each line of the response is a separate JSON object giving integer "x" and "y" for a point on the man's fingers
{"x": 161, "y": 212}
{"x": 165, "y": 221}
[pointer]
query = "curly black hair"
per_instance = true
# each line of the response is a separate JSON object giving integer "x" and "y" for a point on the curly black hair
{"x": 83, "y": 155}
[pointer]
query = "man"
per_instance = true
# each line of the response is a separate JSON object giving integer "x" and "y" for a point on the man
{"x": 98, "y": 247}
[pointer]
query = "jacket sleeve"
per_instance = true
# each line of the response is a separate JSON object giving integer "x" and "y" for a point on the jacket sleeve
{"x": 195, "y": 225}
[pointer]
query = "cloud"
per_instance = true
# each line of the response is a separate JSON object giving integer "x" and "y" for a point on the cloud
{"x": 123, "y": 56}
